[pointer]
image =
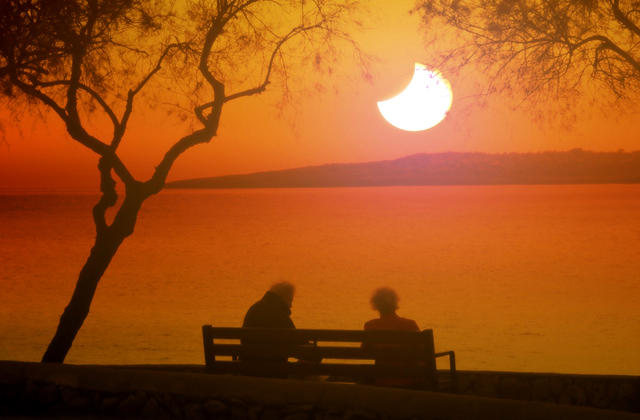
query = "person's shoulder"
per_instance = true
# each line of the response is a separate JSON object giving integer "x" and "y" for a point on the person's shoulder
{"x": 252, "y": 316}
{"x": 409, "y": 324}
{"x": 258, "y": 306}
{"x": 372, "y": 324}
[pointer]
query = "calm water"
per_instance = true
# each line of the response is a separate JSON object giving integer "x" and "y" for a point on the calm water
{"x": 522, "y": 278}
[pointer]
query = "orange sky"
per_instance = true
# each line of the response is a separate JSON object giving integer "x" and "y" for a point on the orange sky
{"x": 343, "y": 125}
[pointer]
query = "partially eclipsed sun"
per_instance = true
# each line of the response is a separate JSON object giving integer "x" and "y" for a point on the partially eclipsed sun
{"x": 423, "y": 104}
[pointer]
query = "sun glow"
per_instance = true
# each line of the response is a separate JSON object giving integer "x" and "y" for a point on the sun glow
{"x": 424, "y": 103}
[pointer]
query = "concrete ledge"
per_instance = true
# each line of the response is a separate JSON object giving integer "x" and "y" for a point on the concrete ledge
{"x": 326, "y": 400}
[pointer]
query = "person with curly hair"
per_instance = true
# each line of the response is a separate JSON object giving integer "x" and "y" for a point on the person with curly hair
{"x": 385, "y": 301}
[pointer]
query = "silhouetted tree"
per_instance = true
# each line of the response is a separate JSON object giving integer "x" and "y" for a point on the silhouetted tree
{"x": 547, "y": 54}
{"x": 97, "y": 60}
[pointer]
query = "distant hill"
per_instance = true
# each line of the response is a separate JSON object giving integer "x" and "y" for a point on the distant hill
{"x": 452, "y": 168}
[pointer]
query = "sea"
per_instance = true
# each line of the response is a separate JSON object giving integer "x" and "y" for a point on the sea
{"x": 536, "y": 278}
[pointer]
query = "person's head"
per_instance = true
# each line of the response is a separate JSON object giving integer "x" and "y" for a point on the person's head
{"x": 384, "y": 300}
{"x": 285, "y": 290}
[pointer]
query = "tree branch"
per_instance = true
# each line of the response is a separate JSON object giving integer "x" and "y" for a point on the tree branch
{"x": 203, "y": 67}
{"x": 622, "y": 18}
{"x": 109, "y": 196}
{"x": 263, "y": 86}
{"x": 156, "y": 182}
{"x": 122, "y": 125}
{"x": 44, "y": 98}
{"x": 607, "y": 44}
{"x": 90, "y": 91}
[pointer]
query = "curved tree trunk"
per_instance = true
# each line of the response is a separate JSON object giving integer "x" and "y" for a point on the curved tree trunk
{"x": 105, "y": 247}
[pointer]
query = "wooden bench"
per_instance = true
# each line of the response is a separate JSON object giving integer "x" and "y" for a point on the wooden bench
{"x": 340, "y": 351}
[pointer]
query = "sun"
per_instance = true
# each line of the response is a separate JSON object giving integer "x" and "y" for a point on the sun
{"x": 424, "y": 102}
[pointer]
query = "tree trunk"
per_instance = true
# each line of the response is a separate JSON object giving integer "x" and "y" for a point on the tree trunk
{"x": 105, "y": 247}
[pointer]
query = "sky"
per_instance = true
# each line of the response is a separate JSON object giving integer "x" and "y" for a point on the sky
{"x": 341, "y": 125}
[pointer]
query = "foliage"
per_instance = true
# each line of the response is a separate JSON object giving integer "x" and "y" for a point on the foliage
{"x": 546, "y": 54}
{"x": 87, "y": 59}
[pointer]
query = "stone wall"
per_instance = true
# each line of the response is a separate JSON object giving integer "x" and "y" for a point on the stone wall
{"x": 620, "y": 393}
{"x": 48, "y": 399}
{"x": 54, "y": 390}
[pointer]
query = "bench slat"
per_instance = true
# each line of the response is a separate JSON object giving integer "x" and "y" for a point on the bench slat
{"x": 283, "y": 369}
{"x": 339, "y": 336}
{"x": 324, "y": 352}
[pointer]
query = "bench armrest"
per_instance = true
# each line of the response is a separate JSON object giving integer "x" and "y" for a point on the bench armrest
{"x": 452, "y": 361}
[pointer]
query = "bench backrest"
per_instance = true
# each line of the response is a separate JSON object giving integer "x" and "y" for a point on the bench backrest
{"x": 265, "y": 350}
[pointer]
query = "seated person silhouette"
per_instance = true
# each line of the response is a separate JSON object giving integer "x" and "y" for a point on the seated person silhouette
{"x": 385, "y": 301}
{"x": 272, "y": 311}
